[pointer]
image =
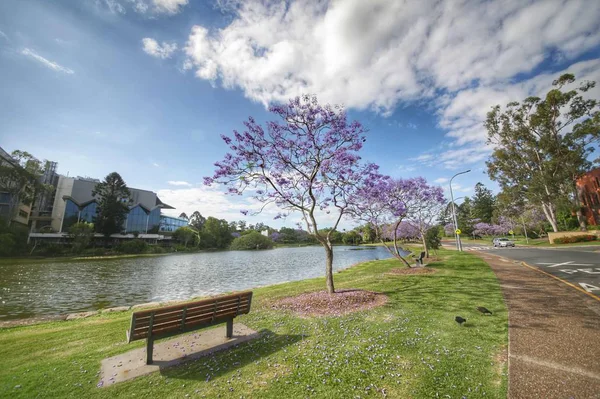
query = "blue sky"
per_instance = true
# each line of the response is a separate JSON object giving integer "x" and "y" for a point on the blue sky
{"x": 146, "y": 87}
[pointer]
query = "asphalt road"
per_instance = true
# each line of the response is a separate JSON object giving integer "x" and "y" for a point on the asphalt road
{"x": 578, "y": 265}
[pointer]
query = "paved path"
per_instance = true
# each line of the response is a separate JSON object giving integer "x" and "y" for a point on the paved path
{"x": 554, "y": 334}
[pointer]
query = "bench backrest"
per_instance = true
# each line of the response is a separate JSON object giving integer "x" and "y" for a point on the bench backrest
{"x": 189, "y": 316}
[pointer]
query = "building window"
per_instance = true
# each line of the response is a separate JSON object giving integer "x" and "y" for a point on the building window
{"x": 137, "y": 220}
{"x": 23, "y": 214}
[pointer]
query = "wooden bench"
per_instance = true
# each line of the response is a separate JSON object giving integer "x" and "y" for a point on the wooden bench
{"x": 178, "y": 319}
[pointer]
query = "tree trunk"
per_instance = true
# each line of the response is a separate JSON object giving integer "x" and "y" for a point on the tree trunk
{"x": 580, "y": 216}
{"x": 329, "y": 267}
{"x": 550, "y": 216}
{"x": 424, "y": 241}
{"x": 395, "y": 253}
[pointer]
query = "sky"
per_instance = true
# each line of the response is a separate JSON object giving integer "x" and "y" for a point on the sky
{"x": 146, "y": 87}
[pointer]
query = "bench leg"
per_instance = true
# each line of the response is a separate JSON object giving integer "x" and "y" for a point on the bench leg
{"x": 149, "y": 349}
{"x": 229, "y": 328}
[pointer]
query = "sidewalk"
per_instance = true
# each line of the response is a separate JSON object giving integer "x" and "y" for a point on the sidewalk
{"x": 554, "y": 334}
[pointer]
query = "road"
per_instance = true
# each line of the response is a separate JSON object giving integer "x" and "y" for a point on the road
{"x": 579, "y": 266}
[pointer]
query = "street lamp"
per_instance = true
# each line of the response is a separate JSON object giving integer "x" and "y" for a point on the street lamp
{"x": 458, "y": 243}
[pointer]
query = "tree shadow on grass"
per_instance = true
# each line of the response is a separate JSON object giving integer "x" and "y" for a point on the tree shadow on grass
{"x": 218, "y": 363}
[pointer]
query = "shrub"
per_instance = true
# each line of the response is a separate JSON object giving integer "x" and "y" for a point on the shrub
{"x": 132, "y": 247}
{"x": 52, "y": 250}
{"x": 252, "y": 240}
{"x": 573, "y": 239}
{"x": 155, "y": 249}
{"x": 7, "y": 244}
{"x": 432, "y": 238}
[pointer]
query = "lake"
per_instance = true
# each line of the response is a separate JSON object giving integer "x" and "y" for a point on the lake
{"x": 40, "y": 289}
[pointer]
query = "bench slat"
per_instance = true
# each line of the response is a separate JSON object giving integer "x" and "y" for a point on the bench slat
{"x": 193, "y": 304}
{"x": 188, "y": 316}
{"x": 177, "y": 315}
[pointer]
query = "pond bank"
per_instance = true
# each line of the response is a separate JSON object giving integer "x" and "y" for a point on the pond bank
{"x": 411, "y": 347}
{"x": 30, "y": 289}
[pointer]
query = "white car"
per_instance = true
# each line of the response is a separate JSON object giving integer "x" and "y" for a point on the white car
{"x": 503, "y": 243}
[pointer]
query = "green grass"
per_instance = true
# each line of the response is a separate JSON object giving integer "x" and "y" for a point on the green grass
{"x": 411, "y": 347}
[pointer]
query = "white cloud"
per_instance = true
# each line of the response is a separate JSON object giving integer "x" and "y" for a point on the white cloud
{"x": 462, "y": 57}
{"x": 374, "y": 54}
{"x": 441, "y": 180}
{"x": 169, "y": 6}
{"x": 164, "y": 50}
{"x": 3, "y": 35}
{"x": 212, "y": 201}
{"x": 44, "y": 61}
{"x": 179, "y": 183}
{"x": 155, "y": 165}
{"x": 113, "y": 6}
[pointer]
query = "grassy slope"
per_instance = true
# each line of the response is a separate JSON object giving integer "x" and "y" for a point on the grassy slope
{"x": 409, "y": 348}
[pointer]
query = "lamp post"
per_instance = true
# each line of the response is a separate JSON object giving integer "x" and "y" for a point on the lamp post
{"x": 458, "y": 243}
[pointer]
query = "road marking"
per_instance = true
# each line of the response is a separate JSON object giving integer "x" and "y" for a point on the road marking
{"x": 563, "y": 264}
{"x": 589, "y": 271}
{"x": 588, "y": 287}
{"x": 537, "y": 269}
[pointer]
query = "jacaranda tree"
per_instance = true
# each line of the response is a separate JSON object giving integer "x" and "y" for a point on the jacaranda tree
{"x": 306, "y": 162}
{"x": 383, "y": 203}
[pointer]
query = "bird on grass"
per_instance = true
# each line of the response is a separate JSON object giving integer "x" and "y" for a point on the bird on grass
{"x": 460, "y": 320}
{"x": 483, "y": 310}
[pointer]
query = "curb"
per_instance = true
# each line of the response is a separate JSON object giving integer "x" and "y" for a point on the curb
{"x": 561, "y": 280}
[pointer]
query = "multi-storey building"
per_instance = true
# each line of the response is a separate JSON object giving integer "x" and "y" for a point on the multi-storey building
{"x": 21, "y": 214}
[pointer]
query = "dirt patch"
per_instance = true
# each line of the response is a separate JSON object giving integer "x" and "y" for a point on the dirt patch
{"x": 413, "y": 270}
{"x": 321, "y": 303}
{"x": 500, "y": 364}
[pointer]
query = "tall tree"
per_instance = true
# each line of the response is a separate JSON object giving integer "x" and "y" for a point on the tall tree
{"x": 216, "y": 233}
{"x": 183, "y": 215}
{"x": 197, "y": 220}
{"x": 307, "y": 161}
{"x": 113, "y": 199}
{"x": 424, "y": 207}
{"x": 482, "y": 207}
{"x": 20, "y": 179}
{"x": 384, "y": 203}
{"x": 542, "y": 145}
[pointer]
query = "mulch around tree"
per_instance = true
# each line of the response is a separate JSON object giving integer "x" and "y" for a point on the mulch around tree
{"x": 413, "y": 270}
{"x": 321, "y": 303}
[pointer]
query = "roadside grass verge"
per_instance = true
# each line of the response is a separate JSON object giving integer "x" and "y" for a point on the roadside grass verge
{"x": 410, "y": 347}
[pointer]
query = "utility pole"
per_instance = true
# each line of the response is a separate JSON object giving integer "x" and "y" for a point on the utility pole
{"x": 458, "y": 243}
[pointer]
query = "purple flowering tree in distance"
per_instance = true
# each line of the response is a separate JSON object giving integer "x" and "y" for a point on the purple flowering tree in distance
{"x": 305, "y": 162}
{"x": 384, "y": 202}
{"x": 424, "y": 207}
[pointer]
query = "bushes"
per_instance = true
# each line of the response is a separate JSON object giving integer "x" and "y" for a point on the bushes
{"x": 132, "y": 247}
{"x": 7, "y": 244}
{"x": 252, "y": 240}
{"x": 573, "y": 239}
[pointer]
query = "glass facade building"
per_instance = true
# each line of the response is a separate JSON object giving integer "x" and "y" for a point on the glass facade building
{"x": 169, "y": 223}
{"x": 138, "y": 219}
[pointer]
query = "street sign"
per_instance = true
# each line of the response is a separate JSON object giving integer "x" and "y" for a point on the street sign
{"x": 457, "y": 231}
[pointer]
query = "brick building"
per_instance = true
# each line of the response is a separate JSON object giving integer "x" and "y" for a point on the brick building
{"x": 589, "y": 190}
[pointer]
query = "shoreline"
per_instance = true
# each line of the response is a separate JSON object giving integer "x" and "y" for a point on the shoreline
{"x": 34, "y": 320}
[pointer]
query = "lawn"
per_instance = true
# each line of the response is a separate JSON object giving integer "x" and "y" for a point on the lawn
{"x": 409, "y": 348}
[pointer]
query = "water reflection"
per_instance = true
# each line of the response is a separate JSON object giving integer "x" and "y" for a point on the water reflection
{"x": 55, "y": 288}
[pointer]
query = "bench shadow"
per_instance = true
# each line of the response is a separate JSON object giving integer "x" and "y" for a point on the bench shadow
{"x": 222, "y": 359}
